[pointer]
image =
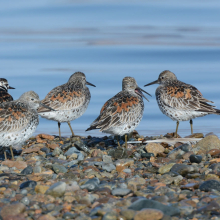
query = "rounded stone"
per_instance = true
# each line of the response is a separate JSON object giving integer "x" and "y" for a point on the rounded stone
{"x": 166, "y": 168}
{"x": 206, "y": 144}
{"x": 27, "y": 170}
{"x": 28, "y": 183}
{"x": 154, "y": 148}
{"x": 152, "y": 214}
{"x": 209, "y": 185}
{"x": 120, "y": 191}
{"x": 57, "y": 190}
{"x": 195, "y": 158}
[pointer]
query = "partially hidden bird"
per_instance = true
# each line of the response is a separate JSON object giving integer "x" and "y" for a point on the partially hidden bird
{"x": 4, "y": 95}
{"x": 18, "y": 120}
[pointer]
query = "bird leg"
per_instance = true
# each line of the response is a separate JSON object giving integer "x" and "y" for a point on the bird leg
{"x": 126, "y": 141}
{"x": 12, "y": 154}
{"x": 71, "y": 128}
{"x": 118, "y": 142}
{"x": 191, "y": 124}
{"x": 177, "y": 125}
{"x": 59, "y": 129}
{"x": 5, "y": 155}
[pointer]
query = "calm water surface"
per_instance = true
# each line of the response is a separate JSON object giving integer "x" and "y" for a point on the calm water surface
{"x": 43, "y": 42}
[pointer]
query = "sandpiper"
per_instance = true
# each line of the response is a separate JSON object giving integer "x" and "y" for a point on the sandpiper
{"x": 18, "y": 120}
{"x": 4, "y": 95}
{"x": 180, "y": 101}
{"x": 122, "y": 113}
{"x": 69, "y": 100}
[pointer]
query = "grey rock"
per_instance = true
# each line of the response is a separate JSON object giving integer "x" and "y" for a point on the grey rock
{"x": 59, "y": 168}
{"x": 120, "y": 191}
{"x": 209, "y": 185}
{"x": 182, "y": 169}
{"x": 107, "y": 159}
{"x": 72, "y": 186}
{"x": 81, "y": 145}
{"x": 57, "y": 190}
{"x": 25, "y": 200}
{"x": 73, "y": 150}
{"x": 110, "y": 216}
{"x": 91, "y": 184}
{"x": 37, "y": 169}
{"x": 71, "y": 163}
{"x": 27, "y": 170}
{"x": 57, "y": 151}
{"x": 147, "y": 203}
{"x": 108, "y": 167}
{"x": 66, "y": 146}
{"x": 195, "y": 158}
{"x": 28, "y": 183}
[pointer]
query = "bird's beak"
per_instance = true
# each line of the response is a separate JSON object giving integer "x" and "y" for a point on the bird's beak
{"x": 11, "y": 87}
{"x": 45, "y": 106}
{"x": 140, "y": 91}
{"x": 154, "y": 82}
{"x": 90, "y": 84}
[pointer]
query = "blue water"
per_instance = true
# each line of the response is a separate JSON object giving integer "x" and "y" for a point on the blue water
{"x": 43, "y": 42}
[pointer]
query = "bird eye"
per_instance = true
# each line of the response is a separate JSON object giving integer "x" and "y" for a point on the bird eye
{"x": 162, "y": 77}
{"x": 32, "y": 99}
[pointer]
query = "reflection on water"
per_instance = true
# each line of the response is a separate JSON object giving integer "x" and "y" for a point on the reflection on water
{"x": 43, "y": 43}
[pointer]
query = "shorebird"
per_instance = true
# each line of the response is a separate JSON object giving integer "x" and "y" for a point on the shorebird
{"x": 69, "y": 100}
{"x": 4, "y": 95}
{"x": 122, "y": 113}
{"x": 18, "y": 120}
{"x": 180, "y": 101}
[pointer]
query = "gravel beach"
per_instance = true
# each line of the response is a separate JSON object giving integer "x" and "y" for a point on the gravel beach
{"x": 91, "y": 178}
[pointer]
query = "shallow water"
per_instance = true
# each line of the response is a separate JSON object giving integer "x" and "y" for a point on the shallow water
{"x": 43, "y": 42}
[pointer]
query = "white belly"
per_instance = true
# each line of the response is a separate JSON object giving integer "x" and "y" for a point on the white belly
{"x": 18, "y": 137}
{"x": 64, "y": 115}
{"x": 181, "y": 115}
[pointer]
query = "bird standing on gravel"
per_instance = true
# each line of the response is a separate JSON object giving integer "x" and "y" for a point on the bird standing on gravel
{"x": 122, "y": 113}
{"x": 69, "y": 100}
{"x": 18, "y": 120}
{"x": 180, "y": 101}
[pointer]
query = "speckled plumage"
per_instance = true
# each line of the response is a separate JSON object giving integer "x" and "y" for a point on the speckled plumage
{"x": 4, "y": 95}
{"x": 69, "y": 100}
{"x": 18, "y": 119}
{"x": 122, "y": 113}
{"x": 181, "y": 101}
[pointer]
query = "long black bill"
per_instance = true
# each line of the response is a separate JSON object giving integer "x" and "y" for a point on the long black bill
{"x": 90, "y": 84}
{"x": 154, "y": 82}
{"x": 11, "y": 87}
{"x": 139, "y": 91}
{"x": 45, "y": 106}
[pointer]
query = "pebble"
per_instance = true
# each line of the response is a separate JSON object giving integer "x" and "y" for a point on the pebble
{"x": 57, "y": 189}
{"x": 210, "y": 185}
{"x": 195, "y": 158}
{"x": 27, "y": 170}
{"x": 93, "y": 179}
{"x": 11, "y": 210}
{"x": 28, "y": 183}
{"x": 206, "y": 144}
{"x": 147, "y": 203}
{"x": 59, "y": 168}
{"x": 154, "y": 148}
{"x": 149, "y": 214}
{"x": 120, "y": 192}
{"x": 91, "y": 184}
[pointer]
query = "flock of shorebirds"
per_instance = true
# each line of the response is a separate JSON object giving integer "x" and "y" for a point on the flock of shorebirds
{"x": 120, "y": 115}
